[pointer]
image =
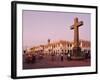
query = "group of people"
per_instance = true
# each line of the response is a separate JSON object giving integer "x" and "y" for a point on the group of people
{"x": 58, "y": 57}
{"x": 29, "y": 58}
{"x": 34, "y": 57}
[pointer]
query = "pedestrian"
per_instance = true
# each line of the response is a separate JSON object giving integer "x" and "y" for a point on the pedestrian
{"x": 68, "y": 56}
{"x": 61, "y": 57}
{"x": 33, "y": 58}
{"x": 52, "y": 57}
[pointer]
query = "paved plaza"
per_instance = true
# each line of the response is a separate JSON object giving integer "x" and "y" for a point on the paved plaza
{"x": 55, "y": 62}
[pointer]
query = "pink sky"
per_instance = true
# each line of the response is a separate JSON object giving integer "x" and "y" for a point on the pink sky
{"x": 39, "y": 26}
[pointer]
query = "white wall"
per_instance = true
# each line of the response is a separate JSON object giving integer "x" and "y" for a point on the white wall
{"x": 5, "y": 37}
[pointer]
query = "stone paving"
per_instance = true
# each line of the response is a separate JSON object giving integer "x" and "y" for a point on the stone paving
{"x": 55, "y": 62}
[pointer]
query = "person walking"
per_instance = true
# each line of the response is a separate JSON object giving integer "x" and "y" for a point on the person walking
{"x": 62, "y": 57}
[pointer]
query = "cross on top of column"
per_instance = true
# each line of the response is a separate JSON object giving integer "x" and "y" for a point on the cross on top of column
{"x": 76, "y": 23}
{"x": 75, "y": 27}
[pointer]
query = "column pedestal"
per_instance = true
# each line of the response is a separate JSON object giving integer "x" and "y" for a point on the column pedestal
{"x": 76, "y": 53}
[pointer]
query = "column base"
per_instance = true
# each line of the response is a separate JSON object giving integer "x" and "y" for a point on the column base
{"x": 77, "y": 54}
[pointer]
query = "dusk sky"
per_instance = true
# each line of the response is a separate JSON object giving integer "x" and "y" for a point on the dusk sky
{"x": 39, "y": 26}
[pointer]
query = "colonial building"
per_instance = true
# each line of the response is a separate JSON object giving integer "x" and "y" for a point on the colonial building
{"x": 85, "y": 45}
{"x": 59, "y": 47}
